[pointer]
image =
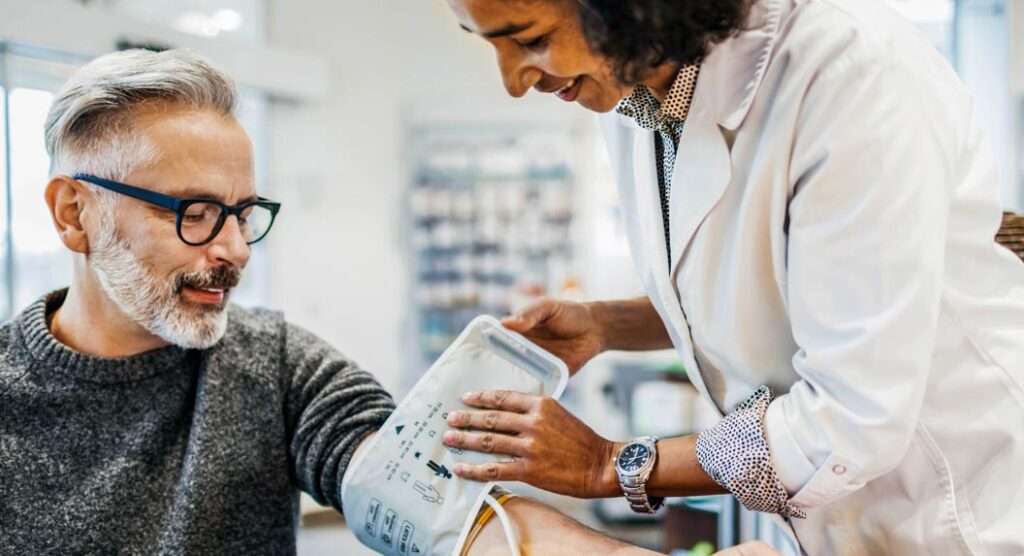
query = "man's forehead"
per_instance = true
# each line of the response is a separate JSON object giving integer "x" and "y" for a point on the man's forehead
{"x": 187, "y": 129}
{"x": 239, "y": 194}
{"x": 196, "y": 154}
{"x": 184, "y": 179}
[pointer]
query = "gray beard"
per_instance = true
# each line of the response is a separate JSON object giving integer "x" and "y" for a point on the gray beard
{"x": 152, "y": 302}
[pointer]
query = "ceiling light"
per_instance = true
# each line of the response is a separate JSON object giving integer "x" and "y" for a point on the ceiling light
{"x": 228, "y": 20}
{"x": 197, "y": 23}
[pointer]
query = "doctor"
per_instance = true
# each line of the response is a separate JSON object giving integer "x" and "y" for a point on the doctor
{"x": 812, "y": 208}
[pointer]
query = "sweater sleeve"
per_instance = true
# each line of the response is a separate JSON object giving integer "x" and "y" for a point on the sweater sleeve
{"x": 331, "y": 406}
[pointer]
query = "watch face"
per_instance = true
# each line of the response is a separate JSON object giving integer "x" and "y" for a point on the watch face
{"x": 633, "y": 457}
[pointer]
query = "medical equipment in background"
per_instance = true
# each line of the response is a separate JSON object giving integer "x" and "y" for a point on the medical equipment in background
{"x": 400, "y": 495}
{"x": 489, "y": 219}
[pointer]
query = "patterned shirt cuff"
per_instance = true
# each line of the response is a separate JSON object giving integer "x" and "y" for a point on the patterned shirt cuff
{"x": 735, "y": 454}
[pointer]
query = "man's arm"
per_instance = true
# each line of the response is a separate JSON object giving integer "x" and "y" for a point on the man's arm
{"x": 543, "y": 531}
{"x": 332, "y": 407}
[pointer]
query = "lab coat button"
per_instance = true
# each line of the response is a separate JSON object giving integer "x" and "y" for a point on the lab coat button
{"x": 839, "y": 469}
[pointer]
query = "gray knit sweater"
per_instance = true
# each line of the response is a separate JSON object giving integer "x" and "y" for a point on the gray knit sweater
{"x": 174, "y": 451}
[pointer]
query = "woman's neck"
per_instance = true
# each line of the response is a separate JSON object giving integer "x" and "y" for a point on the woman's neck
{"x": 660, "y": 80}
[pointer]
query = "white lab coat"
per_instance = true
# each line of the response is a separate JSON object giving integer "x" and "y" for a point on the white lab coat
{"x": 833, "y": 209}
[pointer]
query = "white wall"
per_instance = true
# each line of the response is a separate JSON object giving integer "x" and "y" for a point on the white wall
{"x": 985, "y": 63}
{"x": 1016, "y": 8}
{"x": 337, "y": 165}
{"x": 1016, "y": 11}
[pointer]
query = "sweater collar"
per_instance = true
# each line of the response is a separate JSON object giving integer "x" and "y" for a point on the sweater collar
{"x": 49, "y": 354}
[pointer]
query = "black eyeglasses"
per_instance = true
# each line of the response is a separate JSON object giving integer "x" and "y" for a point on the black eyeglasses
{"x": 200, "y": 220}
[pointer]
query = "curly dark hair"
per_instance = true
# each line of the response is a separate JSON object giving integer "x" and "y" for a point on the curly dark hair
{"x": 638, "y": 35}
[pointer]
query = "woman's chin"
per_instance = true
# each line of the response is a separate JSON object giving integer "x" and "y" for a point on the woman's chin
{"x": 600, "y": 105}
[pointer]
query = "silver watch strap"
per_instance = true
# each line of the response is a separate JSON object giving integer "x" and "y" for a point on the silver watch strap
{"x": 636, "y": 494}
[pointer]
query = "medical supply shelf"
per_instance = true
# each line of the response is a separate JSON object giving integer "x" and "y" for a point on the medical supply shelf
{"x": 489, "y": 214}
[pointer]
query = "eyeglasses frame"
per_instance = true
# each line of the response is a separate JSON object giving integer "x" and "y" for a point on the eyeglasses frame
{"x": 179, "y": 205}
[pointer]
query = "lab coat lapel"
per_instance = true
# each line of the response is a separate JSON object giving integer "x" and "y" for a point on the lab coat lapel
{"x": 702, "y": 172}
{"x": 652, "y": 241}
{"x": 728, "y": 83}
{"x": 645, "y": 180}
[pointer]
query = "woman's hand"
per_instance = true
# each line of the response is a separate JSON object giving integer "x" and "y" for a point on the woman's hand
{"x": 566, "y": 329}
{"x": 551, "y": 449}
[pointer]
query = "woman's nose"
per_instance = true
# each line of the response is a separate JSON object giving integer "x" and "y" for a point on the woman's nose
{"x": 518, "y": 76}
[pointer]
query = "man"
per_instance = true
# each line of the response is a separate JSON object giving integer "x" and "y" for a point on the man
{"x": 141, "y": 413}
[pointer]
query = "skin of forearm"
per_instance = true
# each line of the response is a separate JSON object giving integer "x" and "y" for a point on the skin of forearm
{"x": 630, "y": 325}
{"x": 543, "y": 531}
{"x": 676, "y": 471}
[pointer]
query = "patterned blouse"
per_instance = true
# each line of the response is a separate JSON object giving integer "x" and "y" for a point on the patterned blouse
{"x": 667, "y": 123}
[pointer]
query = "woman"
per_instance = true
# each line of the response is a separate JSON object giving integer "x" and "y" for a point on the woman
{"x": 812, "y": 212}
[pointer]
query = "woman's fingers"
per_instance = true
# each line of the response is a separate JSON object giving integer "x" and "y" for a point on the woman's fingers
{"x": 502, "y": 400}
{"x": 494, "y": 421}
{"x": 531, "y": 316}
{"x": 486, "y": 442}
{"x": 551, "y": 448}
{"x": 511, "y": 471}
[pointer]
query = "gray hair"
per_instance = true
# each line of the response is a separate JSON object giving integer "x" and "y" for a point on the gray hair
{"x": 89, "y": 128}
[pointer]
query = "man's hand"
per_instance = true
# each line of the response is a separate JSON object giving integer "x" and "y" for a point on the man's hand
{"x": 756, "y": 548}
{"x": 566, "y": 329}
{"x": 551, "y": 449}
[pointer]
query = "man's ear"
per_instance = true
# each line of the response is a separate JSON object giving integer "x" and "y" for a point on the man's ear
{"x": 67, "y": 199}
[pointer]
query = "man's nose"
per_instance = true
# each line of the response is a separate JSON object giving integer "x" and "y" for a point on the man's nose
{"x": 230, "y": 245}
{"x": 518, "y": 76}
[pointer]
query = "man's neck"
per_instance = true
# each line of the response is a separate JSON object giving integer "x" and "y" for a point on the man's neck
{"x": 90, "y": 323}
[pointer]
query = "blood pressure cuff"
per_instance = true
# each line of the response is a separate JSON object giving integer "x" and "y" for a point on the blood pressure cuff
{"x": 399, "y": 495}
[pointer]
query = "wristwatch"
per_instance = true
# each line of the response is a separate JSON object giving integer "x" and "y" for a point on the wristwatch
{"x": 634, "y": 465}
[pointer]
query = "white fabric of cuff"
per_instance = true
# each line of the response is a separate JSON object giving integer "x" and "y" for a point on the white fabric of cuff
{"x": 791, "y": 465}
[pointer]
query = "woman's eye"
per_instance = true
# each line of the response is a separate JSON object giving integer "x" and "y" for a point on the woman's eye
{"x": 536, "y": 43}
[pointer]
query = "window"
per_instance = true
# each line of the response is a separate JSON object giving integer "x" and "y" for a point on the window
{"x": 983, "y": 59}
{"x": 34, "y": 260}
{"x": 6, "y": 269}
{"x": 934, "y": 17}
{"x": 41, "y": 263}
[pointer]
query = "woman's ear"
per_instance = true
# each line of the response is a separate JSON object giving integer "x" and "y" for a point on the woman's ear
{"x": 67, "y": 200}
